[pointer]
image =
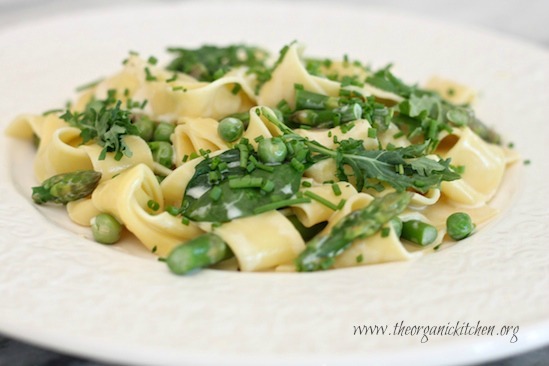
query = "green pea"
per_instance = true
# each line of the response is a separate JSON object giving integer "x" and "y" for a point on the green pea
{"x": 145, "y": 126}
{"x": 272, "y": 150}
{"x": 106, "y": 229}
{"x": 163, "y": 132}
{"x": 459, "y": 225}
{"x": 419, "y": 232}
{"x": 162, "y": 153}
{"x": 230, "y": 129}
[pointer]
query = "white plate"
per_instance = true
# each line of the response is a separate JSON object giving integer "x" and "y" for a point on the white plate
{"x": 62, "y": 291}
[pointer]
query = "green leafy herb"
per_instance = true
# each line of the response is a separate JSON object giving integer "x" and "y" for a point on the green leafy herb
{"x": 425, "y": 113}
{"x": 402, "y": 168}
{"x": 209, "y": 63}
{"x": 105, "y": 123}
{"x": 242, "y": 191}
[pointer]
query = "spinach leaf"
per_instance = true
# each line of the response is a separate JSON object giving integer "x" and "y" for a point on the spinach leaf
{"x": 220, "y": 201}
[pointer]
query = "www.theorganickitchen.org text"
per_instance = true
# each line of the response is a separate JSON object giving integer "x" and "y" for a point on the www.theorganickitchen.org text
{"x": 450, "y": 329}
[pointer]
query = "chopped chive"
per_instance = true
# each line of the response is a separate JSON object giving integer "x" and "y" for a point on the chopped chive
{"x": 214, "y": 176}
{"x": 510, "y": 145}
{"x": 153, "y": 205}
{"x": 185, "y": 220}
{"x": 185, "y": 158}
{"x": 214, "y": 163}
{"x": 260, "y": 165}
{"x": 336, "y": 189}
{"x": 372, "y": 133}
{"x": 399, "y": 134}
{"x": 246, "y": 181}
{"x": 243, "y": 155}
{"x": 298, "y": 86}
{"x": 143, "y": 104}
{"x": 306, "y": 184}
{"x": 236, "y": 89}
{"x": 52, "y": 111}
{"x": 347, "y": 127}
{"x": 172, "y": 210}
{"x": 177, "y": 88}
{"x": 154, "y": 249}
{"x": 223, "y": 166}
{"x": 279, "y": 204}
{"x": 527, "y": 162}
{"x": 385, "y": 232}
{"x": 320, "y": 200}
{"x": 215, "y": 193}
{"x": 152, "y": 60}
{"x": 268, "y": 186}
{"x": 341, "y": 204}
{"x": 297, "y": 165}
{"x": 173, "y": 78}
{"x": 264, "y": 167}
{"x": 204, "y": 153}
{"x": 344, "y": 93}
{"x": 148, "y": 75}
{"x": 88, "y": 85}
{"x": 359, "y": 258}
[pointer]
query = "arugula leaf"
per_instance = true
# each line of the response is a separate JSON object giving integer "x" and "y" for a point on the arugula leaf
{"x": 385, "y": 80}
{"x": 402, "y": 168}
{"x": 219, "y": 201}
{"x": 105, "y": 124}
{"x": 429, "y": 113}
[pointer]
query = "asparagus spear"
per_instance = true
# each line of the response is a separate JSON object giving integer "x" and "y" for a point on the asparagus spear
{"x": 485, "y": 133}
{"x": 202, "y": 251}
{"x": 63, "y": 188}
{"x": 308, "y": 100}
{"x": 322, "y": 250}
{"x": 328, "y": 117}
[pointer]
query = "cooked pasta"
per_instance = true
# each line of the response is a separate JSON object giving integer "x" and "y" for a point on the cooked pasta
{"x": 297, "y": 164}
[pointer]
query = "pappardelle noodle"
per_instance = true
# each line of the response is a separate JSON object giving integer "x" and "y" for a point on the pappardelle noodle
{"x": 229, "y": 158}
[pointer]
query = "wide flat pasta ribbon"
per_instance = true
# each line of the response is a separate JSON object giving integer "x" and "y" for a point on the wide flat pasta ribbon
{"x": 484, "y": 167}
{"x": 126, "y": 197}
{"x": 263, "y": 241}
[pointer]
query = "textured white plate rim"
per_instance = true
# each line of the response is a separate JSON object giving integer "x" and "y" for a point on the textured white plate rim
{"x": 535, "y": 334}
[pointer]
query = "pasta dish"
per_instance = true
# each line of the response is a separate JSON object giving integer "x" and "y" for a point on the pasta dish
{"x": 228, "y": 158}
